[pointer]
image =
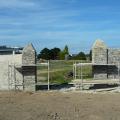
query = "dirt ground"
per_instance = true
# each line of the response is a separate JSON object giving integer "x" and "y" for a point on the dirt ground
{"x": 59, "y": 106}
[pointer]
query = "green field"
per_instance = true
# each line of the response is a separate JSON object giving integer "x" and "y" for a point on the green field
{"x": 60, "y": 72}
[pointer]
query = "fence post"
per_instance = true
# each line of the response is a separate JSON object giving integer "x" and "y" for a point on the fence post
{"x": 119, "y": 72}
{"x": 81, "y": 77}
{"x": 48, "y": 75}
{"x": 75, "y": 70}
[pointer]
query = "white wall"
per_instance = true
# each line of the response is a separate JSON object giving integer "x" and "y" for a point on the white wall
{"x": 6, "y": 73}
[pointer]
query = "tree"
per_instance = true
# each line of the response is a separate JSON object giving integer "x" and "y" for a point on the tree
{"x": 61, "y": 55}
{"x": 64, "y": 52}
{"x": 79, "y": 56}
{"x": 48, "y": 54}
{"x": 90, "y": 55}
{"x": 44, "y": 54}
{"x": 82, "y": 56}
{"x": 54, "y": 53}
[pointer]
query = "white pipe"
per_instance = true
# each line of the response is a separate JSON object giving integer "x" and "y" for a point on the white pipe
{"x": 48, "y": 75}
{"x": 75, "y": 70}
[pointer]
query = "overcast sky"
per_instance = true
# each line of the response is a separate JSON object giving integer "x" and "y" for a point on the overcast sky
{"x": 55, "y": 23}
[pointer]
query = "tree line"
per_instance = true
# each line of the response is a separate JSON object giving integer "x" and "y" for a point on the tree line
{"x": 58, "y": 54}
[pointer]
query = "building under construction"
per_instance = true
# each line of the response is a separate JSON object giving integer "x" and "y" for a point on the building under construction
{"x": 105, "y": 61}
{"x": 105, "y": 67}
{"x": 18, "y": 70}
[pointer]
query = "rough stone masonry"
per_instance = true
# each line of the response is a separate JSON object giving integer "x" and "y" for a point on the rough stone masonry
{"x": 18, "y": 71}
{"x": 106, "y": 61}
{"x": 29, "y": 68}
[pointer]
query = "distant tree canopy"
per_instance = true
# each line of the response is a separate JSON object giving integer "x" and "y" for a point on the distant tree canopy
{"x": 64, "y": 53}
{"x": 66, "y": 50}
{"x": 48, "y": 54}
{"x": 82, "y": 56}
{"x": 58, "y": 54}
{"x": 90, "y": 55}
{"x": 54, "y": 53}
{"x": 79, "y": 56}
{"x": 44, "y": 54}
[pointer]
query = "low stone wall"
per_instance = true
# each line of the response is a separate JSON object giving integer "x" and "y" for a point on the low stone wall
{"x": 102, "y": 55}
{"x": 99, "y": 56}
{"x": 113, "y": 56}
{"x": 99, "y": 72}
{"x": 105, "y": 72}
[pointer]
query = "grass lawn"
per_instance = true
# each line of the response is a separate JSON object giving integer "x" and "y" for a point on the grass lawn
{"x": 60, "y": 70}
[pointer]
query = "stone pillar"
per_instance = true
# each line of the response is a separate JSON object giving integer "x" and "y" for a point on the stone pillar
{"x": 100, "y": 58}
{"x": 99, "y": 52}
{"x": 29, "y": 68}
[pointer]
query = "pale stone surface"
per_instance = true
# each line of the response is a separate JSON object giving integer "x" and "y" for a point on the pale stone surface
{"x": 16, "y": 58}
{"x": 103, "y": 55}
{"x": 29, "y": 60}
{"x": 99, "y": 44}
{"x": 29, "y": 55}
{"x": 12, "y": 74}
{"x": 113, "y": 56}
{"x": 7, "y": 77}
{"x": 99, "y": 52}
{"x": 4, "y": 76}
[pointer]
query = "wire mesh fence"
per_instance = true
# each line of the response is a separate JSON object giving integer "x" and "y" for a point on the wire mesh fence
{"x": 55, "y": 74}
{"x": 59, "y": 72}
{"x": 67, "y": 72}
